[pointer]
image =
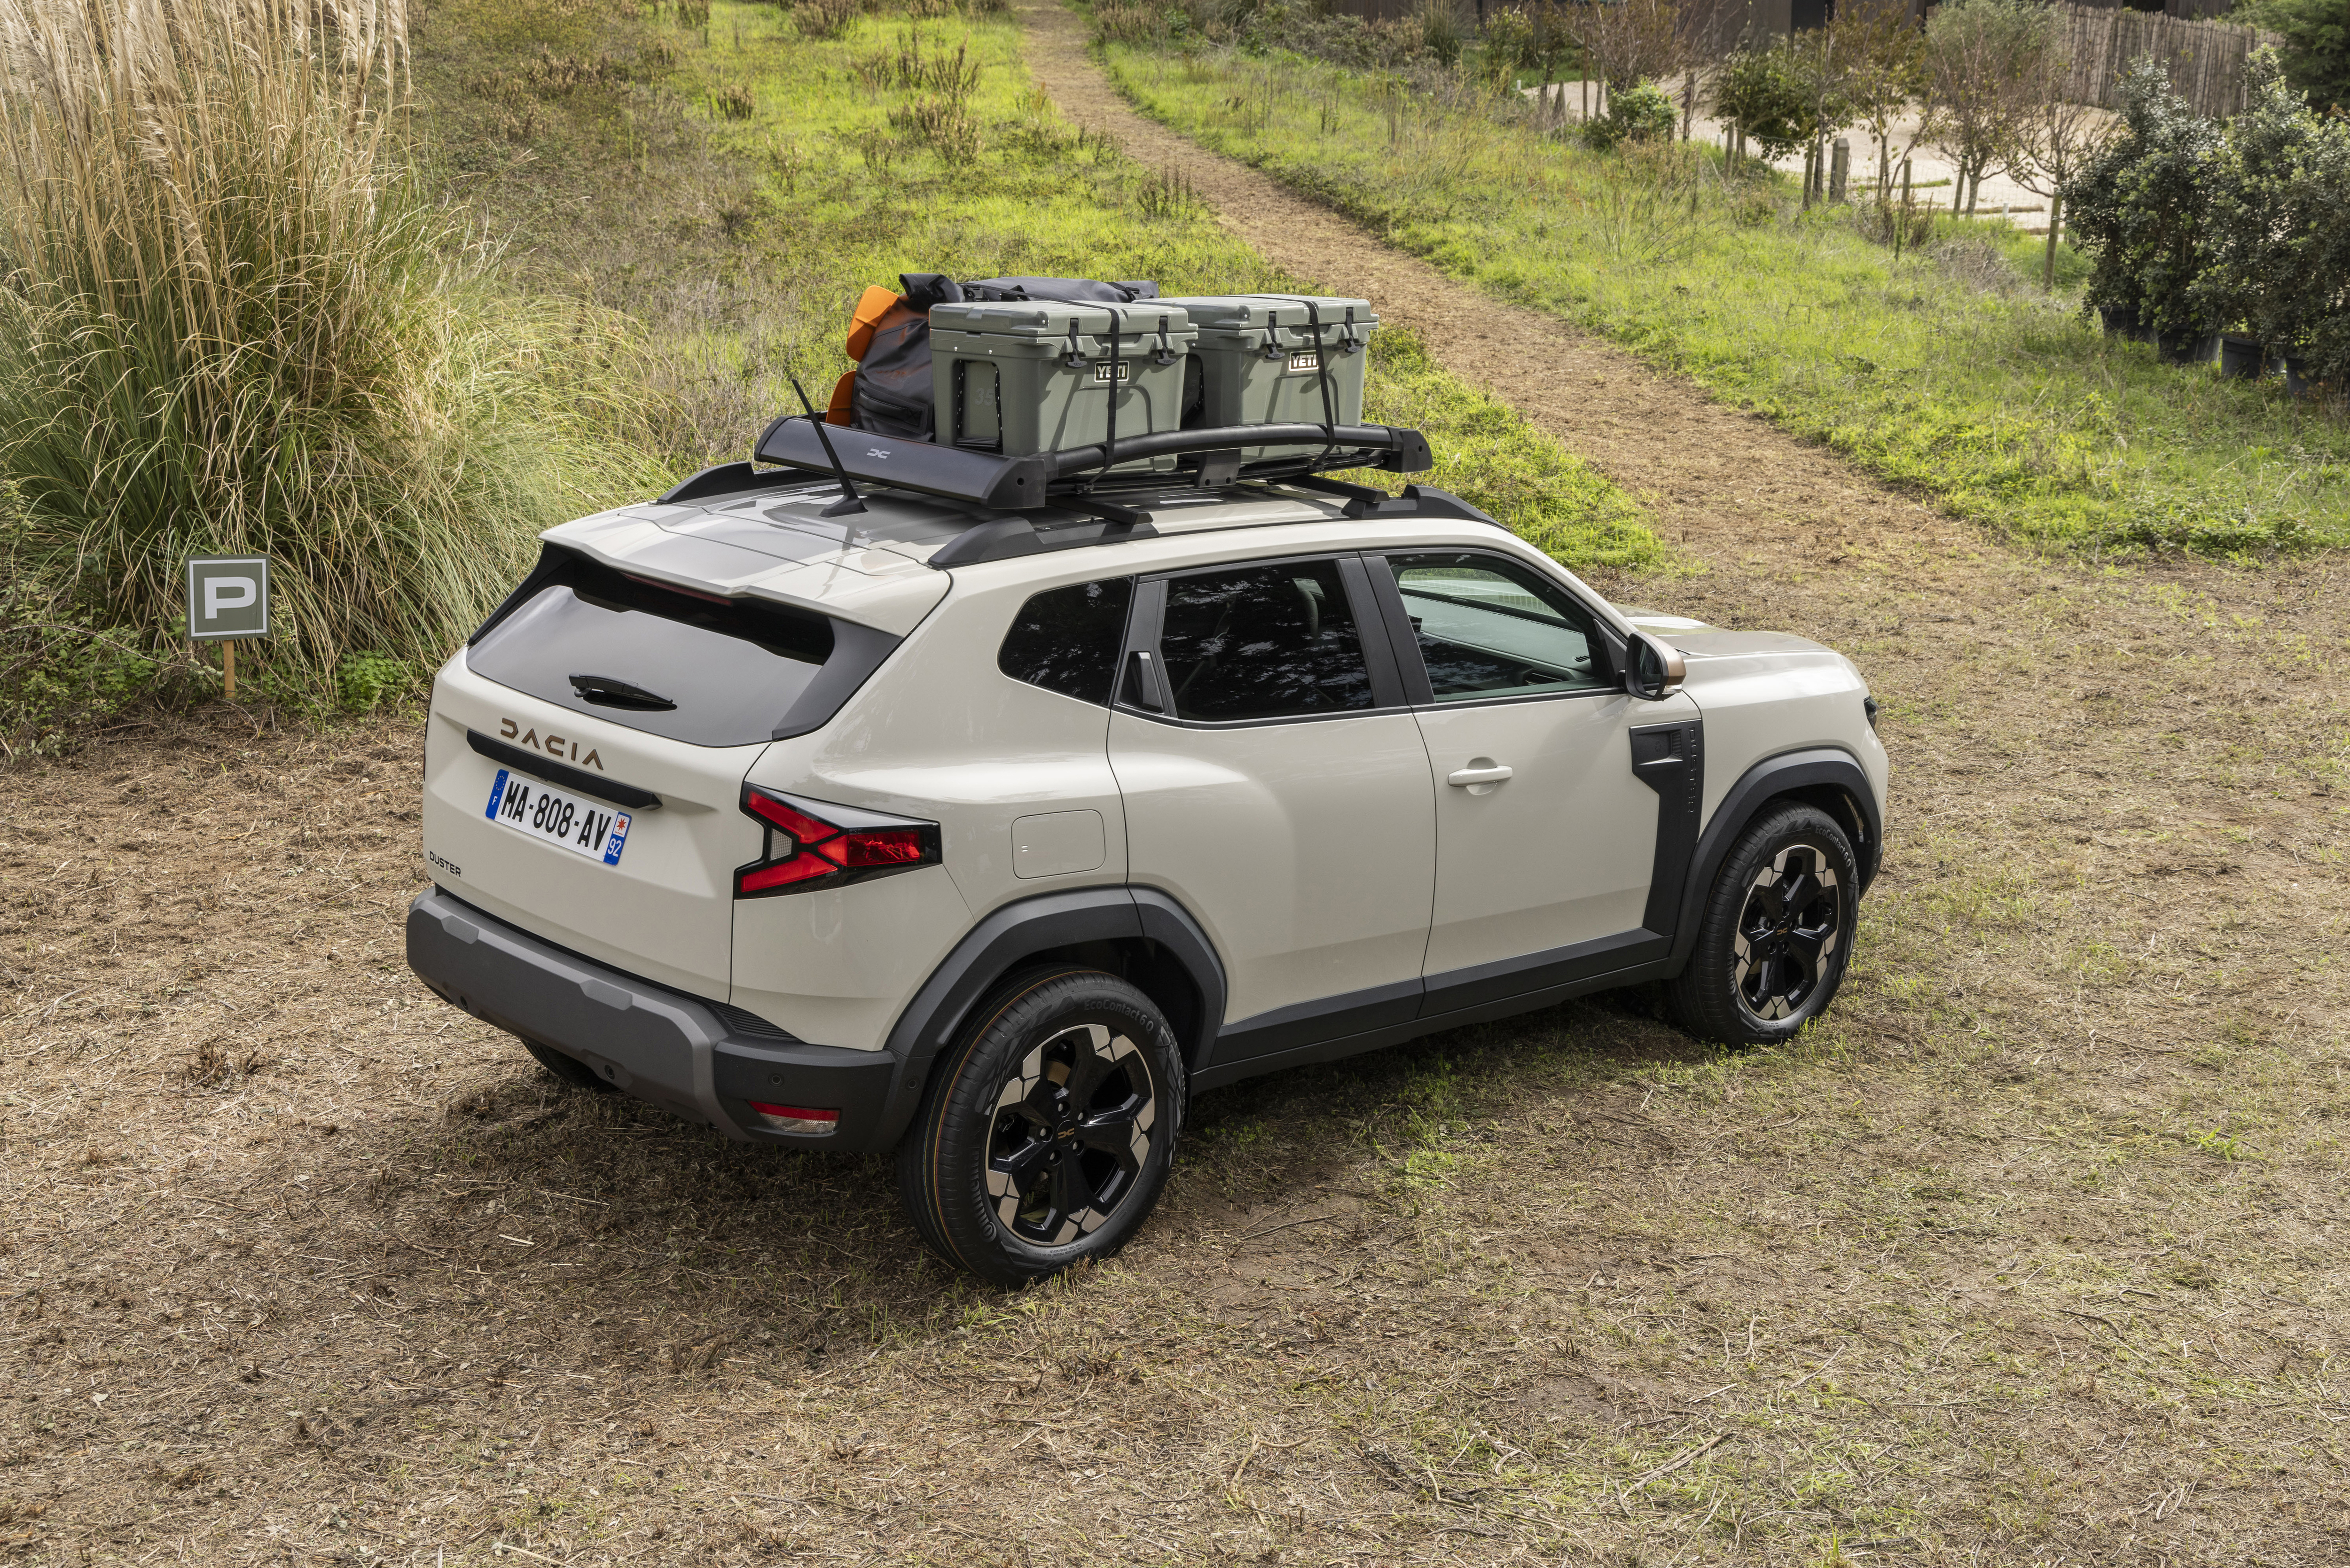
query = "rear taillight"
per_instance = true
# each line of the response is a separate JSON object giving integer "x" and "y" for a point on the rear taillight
{"x": 797, "y": 1118}
{"x": 806, "y": 850}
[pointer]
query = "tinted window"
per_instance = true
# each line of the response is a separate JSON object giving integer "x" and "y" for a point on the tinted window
{"x": 736, "y": 669}
{"x": 1262, "y": 642}
{"x": 1067, "y": 639}
{"x": 1490, "y": 627}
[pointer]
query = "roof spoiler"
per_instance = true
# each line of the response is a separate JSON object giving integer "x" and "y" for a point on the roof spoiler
{"x": 1015, "y": 483}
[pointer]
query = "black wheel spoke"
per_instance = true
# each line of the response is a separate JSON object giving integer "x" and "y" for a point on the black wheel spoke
{"x": 1803, "y": 945}
{"x": 1798, "y": 891}
{"x": 1111, "y": 1133}
{"x": 1090, "y": 1065}
{"x": 1072, "y": 1193}
{"x": 1022, "y": 1163}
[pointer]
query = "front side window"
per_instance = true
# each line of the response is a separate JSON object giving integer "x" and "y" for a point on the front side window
{"x": 1262, "y": 642}
{"x": 1067, "y": 639}
{"x": 1490, "y": 627}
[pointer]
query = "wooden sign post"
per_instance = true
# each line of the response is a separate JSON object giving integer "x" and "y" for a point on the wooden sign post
{"x": 228, "y": 598}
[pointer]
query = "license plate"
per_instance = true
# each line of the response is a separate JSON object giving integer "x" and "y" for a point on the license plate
{"x": 582, "y": 826}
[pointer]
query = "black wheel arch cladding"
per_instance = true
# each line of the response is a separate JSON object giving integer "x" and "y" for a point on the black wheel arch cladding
{"x": 1829, "y": 777}
{"x": 1138, "y": 934}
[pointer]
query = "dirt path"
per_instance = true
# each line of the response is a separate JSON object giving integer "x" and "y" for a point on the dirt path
{"x": 1711, "y": 472}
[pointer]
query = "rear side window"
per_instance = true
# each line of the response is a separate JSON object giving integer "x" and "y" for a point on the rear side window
{"x": 696, "y": 668}
{"x": 1067, "y": 639}
{"x": 1262, "y": 642}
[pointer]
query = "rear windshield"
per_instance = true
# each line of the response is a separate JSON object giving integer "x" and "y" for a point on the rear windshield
{"x": 696, "y": 668}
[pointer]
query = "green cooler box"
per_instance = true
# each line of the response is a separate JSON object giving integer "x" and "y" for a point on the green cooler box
{"x": 1261, "y": 358}
{"x": 1029, "y": 376}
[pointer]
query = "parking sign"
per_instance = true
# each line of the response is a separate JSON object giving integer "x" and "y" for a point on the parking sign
{"x": 228, "y": 596}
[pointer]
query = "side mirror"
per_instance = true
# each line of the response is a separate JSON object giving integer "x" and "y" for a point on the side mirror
{"x": 1655, "y": 671}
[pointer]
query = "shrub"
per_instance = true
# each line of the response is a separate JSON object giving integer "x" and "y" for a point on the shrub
{"x": 2142, "y": 205}
{"x": 945, "y": 125}
{"x": 824, "y": 18}
{"x": 1641, "y": 112}
{"x": 364, "y": 680}
{"x": 2279, "y": 251}
{"x": 234, "y": 325}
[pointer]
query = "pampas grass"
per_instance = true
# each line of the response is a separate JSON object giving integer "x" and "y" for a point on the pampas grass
{"x": 231, "y": 322}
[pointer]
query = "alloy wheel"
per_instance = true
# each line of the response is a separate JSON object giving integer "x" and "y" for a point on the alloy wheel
{"x": 1070, "y": 1135}
{"x": 1786, "y": 933}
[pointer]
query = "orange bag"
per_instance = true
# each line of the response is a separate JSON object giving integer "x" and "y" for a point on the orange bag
{"x": 871, "y": 308}
{"x": 837, "y": 411}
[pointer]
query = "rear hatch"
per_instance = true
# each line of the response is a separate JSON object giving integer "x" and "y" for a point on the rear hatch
{"x": 586, "y": 754}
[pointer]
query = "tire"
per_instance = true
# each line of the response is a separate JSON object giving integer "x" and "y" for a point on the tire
{"x": 1775, "y": 933}
{"x": 570, "y": 1069}
{"x": 1046, "y": 1139}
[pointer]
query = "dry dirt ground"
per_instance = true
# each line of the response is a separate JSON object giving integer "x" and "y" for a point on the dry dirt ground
{"x": 2032, "y": 1254}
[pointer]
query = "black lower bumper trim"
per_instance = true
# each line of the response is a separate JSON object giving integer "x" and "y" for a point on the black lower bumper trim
{"x": 657, "y": 1045}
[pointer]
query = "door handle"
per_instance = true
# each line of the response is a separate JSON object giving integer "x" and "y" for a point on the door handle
{"x": 1482, "y": 771}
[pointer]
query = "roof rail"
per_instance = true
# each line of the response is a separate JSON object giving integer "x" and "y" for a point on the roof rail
{"x": 1018, "y": 483}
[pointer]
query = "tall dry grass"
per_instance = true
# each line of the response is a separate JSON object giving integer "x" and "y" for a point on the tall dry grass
{"x": 231, "y": 321}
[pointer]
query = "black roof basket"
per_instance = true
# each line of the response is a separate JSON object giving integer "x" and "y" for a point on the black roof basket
{"x": 1015, "y": 483}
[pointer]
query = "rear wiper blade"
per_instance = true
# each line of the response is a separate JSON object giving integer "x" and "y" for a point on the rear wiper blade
{"x": 611, "y": 691}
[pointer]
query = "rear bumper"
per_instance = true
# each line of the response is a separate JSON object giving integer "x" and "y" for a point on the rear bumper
{"x": 657, "y": 1045}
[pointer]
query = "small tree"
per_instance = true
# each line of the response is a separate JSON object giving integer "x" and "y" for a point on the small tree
{"x": 1761, "y": 95}
{"x": 1823, "y": 64}
{"x": 1631, "y": 40}
{"x": 2055, "y": 141}
{"x": 1980, "y": 55}
{"x": 1885, "y": 73}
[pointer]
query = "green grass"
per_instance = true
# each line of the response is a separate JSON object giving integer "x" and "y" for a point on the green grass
{"x": 768, "y": 226}
{"x": 1944, "y": 371}
{"x": 235, "y": 323}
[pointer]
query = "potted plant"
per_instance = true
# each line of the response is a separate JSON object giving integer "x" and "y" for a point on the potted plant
{"x": 2143, "y": 205}
{"x": 2278, "y": 251}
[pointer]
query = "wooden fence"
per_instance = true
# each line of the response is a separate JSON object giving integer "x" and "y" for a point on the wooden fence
{"x": 2207, "y": 59}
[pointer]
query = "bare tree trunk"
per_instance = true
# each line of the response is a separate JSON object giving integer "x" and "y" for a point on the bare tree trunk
{"x": 2055, "y": 222}
{"x": 1689, "y": 101}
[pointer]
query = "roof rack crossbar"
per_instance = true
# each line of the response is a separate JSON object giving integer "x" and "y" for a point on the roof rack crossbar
{"x": 1396, "y": 449}
{"x": 1016, "y": 484}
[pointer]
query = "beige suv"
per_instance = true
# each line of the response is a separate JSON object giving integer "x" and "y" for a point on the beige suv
{"x": 990, "y": 834}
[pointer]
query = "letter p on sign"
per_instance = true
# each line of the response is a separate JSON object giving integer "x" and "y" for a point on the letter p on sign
{"x": 228, "y": 596}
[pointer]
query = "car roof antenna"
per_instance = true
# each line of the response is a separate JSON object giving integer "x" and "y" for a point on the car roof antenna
{"x": 850, "y": 501}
